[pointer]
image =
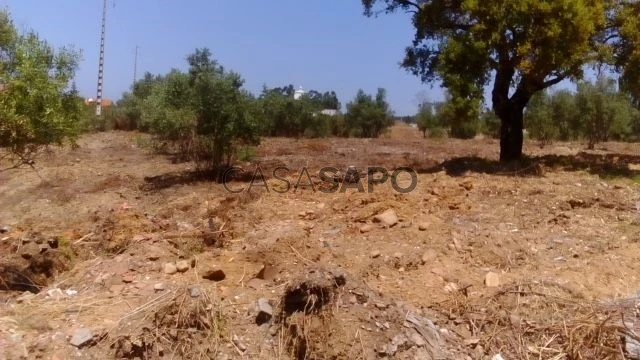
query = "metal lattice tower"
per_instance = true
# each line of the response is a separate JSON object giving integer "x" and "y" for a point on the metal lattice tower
{"x": 135, "y": 68}
{"x": 101, "y": 66}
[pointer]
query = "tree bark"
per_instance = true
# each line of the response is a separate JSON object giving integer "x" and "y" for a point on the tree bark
{"x": 510, "y": 111}
{"x": 511, "y": 133}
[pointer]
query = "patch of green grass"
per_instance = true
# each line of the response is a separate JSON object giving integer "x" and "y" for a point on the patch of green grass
{"x": 64, "y": 244}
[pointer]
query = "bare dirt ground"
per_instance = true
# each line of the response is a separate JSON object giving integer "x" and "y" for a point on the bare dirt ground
{"x": 111, "y": 251}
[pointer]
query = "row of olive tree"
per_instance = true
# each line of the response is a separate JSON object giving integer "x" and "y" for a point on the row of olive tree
{"x": 596, "y": 112}
{"x": 275, "y": 112}
{"x": 204, "y": 113}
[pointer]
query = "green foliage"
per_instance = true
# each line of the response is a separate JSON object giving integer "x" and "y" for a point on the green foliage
{"x": 597, "y": 112}
{"x": 368, "y": 116}
{"x": 462, "y": 116}
{"x": 539, "y": 119}
{"x": 246, "y": 153}
{"x": 605, "y": 114}
{"x": 437, "y": 133}
{"x": 38, "y": 107}
{"x": 426, "y": 118}
{"x": 490, "y": 123}
{"x": 628, "y": 55}
{"x": 204, "y": 113}
{"x": 282, "y": 115}
{"x": 525, "y": 45}
{"x": 565, "y": 115}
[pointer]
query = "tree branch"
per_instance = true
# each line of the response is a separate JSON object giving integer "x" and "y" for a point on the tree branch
{"x": 553, "y": 81}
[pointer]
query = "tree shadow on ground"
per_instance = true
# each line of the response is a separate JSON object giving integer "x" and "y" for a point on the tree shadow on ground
{"x": 603, "y": 165}
{"x": 219, "y": 175}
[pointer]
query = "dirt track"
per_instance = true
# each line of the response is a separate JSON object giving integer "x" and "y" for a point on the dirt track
{"x": 567, "y": 225}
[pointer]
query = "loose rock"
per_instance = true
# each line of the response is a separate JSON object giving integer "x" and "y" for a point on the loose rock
{"x": 366, "y": 228}
{"x": 182, "y": 266}
{"x": 169, "y": 268}
{"x": 239, "y": 344}
{"x": 194, "y": 291}
{"x": 492, "y": 280}
{"x": 81, "y": 337}
{"x": 428, "y": 256}
{"x": 158, "y": 287}
{"x": 214, "y": 275}
{"x": 375, "y": 254}
{"x": 387, "y": 218}
{"x": 423, "y": 226}
{"x": 265, "y": 311}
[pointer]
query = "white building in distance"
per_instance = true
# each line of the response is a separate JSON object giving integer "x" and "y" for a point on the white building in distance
{"x": 299, "y": 93}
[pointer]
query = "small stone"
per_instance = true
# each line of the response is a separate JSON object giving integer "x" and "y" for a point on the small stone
{"x": 302, "y": 214}
{"x": 214, "y": 275}
{"x": 153, "y": 257}
{"x": 497, "y": 357}
{"x": 128, "y": 278}
{"x": 265, "y": 306}
{"x": 381, "y": 306}
{"x": 267, "y": 273}
{"x": 265, "y": 311}
{"x": 256, "y": 284}
{"x": 55, "y": 294}
{"x": 397, "y": 255}
{"x": 273, "y": 331}
{"x": 81, "y": 337}
{"x": 366, "y": 228}
{"x": 158, "y": 287}
{"x": 423, "y": 226}
{"x": 239, "y": 344}
{"x": 451, "y": 287}
{"x": 472, "y": 342}
{"x": 53, "y": 243}
{"x": 169, "y": 268}
{"x": 428, "y": 256}
{"x": 492, "y": 280}
{"x": 182, "y": 266}
{"x": 417, "y": 339}
{"x": 5, "y": 229}
{"x": 194, "y": 291}
{"x": 387, "y": 218}
{"x": 375, "y": 254}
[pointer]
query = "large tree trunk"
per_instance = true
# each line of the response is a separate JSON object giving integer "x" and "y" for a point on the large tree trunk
{"x": 511, "y": 133}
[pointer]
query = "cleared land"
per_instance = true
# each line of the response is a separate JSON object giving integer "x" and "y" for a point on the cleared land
{"x": 530, "y": 262}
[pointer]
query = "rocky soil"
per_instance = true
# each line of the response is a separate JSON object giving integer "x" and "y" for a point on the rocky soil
{"x": 112, "y": 251}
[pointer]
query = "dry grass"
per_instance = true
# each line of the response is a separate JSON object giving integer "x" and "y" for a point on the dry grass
{"x": 174, "y": 324}
{"x": 544, "y": 321}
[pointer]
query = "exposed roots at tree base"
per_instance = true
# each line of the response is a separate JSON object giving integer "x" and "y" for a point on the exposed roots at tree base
{"x": 306, "y": 313}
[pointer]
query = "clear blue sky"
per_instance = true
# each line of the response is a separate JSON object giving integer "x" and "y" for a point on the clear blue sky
{"x": 322, "y": 45}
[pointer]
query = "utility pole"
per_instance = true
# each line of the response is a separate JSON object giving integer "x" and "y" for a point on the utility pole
{"x": 101, "y": 66}
{"x": 135, "y": 68}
